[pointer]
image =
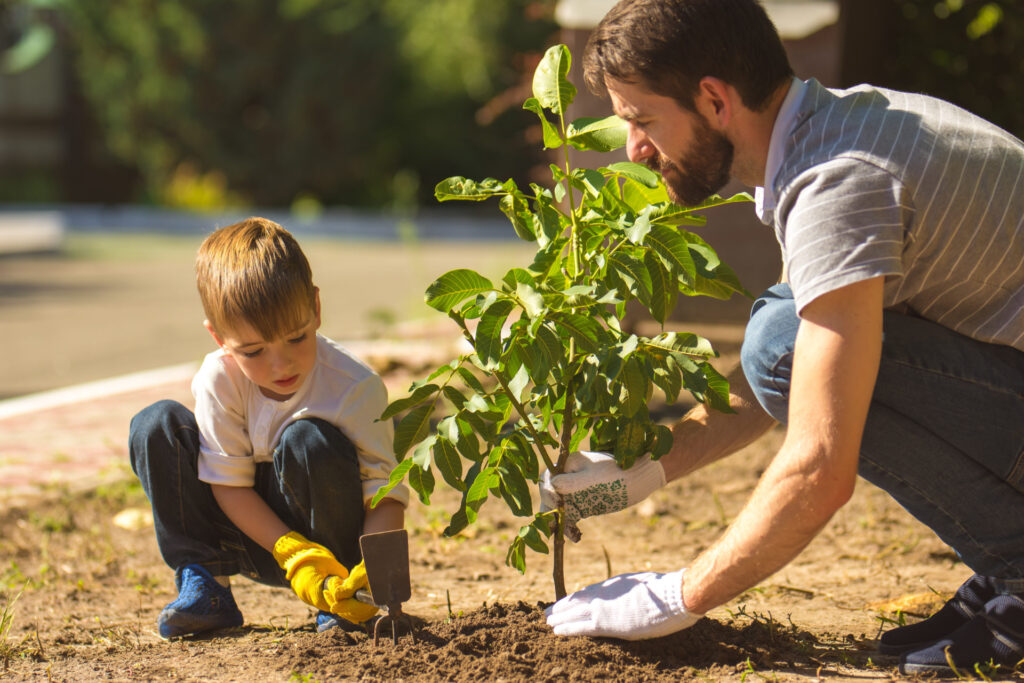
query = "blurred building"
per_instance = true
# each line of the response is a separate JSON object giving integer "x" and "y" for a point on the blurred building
{"x": 50, "y": 148}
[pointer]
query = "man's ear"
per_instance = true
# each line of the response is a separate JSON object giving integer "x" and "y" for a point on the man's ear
{"x": 213, "y": 333}
{"x": 716, "y": 101}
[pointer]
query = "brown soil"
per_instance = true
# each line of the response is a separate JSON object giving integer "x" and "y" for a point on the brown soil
{"x": 82, "y": 593}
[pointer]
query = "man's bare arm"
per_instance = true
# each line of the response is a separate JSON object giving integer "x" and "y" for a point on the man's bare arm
{"x": 705, "y": 435}
{"x": 835, "y": 364}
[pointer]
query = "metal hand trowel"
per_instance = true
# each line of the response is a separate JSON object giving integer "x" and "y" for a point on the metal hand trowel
{"x": 386, "y": 558}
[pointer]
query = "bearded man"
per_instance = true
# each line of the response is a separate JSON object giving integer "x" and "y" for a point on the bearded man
{"x": 893, "y": 349}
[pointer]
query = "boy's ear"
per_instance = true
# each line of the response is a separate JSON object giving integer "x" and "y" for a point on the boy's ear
{"x": 213, "y": 333}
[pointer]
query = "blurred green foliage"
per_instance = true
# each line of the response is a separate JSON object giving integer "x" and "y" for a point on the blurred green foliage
{"x": 970, "y": 52}
{"x": 300, "y": 99}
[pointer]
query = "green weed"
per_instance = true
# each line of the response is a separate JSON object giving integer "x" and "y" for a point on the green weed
{"x": 7, "y": 650}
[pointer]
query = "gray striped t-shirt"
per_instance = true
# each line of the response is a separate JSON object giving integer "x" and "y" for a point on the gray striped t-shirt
{"x": 877, "y": 182}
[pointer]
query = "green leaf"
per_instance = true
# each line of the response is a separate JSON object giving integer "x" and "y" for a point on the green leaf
{"x": 550, "y": 85}
{"x": 673, "y": 250}
{"x": 516, "y": 276}
{"x": 421, "y": 394}
{"x": 662, "y": 441}
{"x": 532, "y": 301}
{"x": 519, "y": 449}
{"x": 454, "y": 396}
{"x": 479, "y": 490}
{"x": 588, "y": 181}
{"x": 519, "y": 382}
{"x": 514, "y": 206}
{"x": 599, "y": 135}
{"x": 634, "y": 276}
{"x": 635, "y": 383}
{"x": 34, "y": 44}
{"x": 717, "y": 200}
{"x": 396, "y": 477}
{"x": 552, "y": 138}
{"x": 633, "y": 171}
{"x": 718, "y": 389}
{"x": 682, "y": 342}
{"x": 464, "y": 437}
{"x": 515, "y": 490}
{"x": 454, "y": 287}
{"x": 488, "y": 333}
{"x": 458, "y": 187}
{"x": 460, "y": 520}
{"x": 448, "y": 462}
{"x": 663, "y": 289}
{"x": 583, "y": 329}
{"x": 422, "y": 481}
{"x": 549, "y": 344}
{"x": 672, "y": 215}
{"x": 471, "y": 380}
{"x": 631, "y": 436}
{"x": 532, "y": 535}
{"x": 667, "y": 375}
{"x": 639, "y": 197}
{"x": 516, "y": 555}
{"x": 640, "y": 228}
{"x": 412, "y": 429}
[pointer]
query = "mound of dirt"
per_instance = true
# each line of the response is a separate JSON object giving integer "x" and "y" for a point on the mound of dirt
{"x": 511, "y": 642}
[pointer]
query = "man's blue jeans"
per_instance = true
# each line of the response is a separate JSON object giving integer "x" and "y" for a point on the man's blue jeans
{"x": 313, "y": 485}
{"x": 944, "y": 434}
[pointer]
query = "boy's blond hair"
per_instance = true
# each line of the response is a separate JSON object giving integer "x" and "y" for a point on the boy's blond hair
{"x": 255, "y": 272}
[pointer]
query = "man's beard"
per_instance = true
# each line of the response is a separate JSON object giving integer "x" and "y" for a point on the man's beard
{"x": 707, "y": 167}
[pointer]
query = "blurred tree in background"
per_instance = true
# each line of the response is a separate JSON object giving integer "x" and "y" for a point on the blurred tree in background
{"x": 316, "y": 101}
{"x": 970, "y": 52}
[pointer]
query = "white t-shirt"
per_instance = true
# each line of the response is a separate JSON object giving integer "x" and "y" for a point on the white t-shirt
{"x": 239, "y": 426}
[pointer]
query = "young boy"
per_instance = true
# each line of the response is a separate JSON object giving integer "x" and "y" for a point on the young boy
{"x": 273, "y": 474}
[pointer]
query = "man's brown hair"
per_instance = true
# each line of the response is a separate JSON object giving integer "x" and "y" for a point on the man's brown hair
{"x": 668, "y": 46}
{"x": 254, "y": 271}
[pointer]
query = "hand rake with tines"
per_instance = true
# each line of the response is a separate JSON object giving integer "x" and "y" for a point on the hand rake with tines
{"x": 386, "y": 558}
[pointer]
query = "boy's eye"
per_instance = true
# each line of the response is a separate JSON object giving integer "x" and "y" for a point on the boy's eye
{"x": 297, "y": 340}
{"x": 252, "y": 354}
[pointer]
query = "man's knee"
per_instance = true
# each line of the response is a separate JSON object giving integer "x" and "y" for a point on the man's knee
{"x": 767, "y": 352}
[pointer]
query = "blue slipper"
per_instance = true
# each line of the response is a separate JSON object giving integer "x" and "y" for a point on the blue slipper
{"x": 994, "y": 638}
{"x": 969, "y": 600}
{"x": 202, "y": 605}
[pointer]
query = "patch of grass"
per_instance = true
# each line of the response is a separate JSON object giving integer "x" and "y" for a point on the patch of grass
{"x": 127, "y": 491}
{"x": 7, "y": 649}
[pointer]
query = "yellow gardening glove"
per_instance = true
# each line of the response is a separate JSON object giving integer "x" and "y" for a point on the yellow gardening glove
{"x": 307, "y": 565}
{"x": 338, "y": 592}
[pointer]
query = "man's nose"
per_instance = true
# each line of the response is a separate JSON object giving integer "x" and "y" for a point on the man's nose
{"x": 638, "y": 146}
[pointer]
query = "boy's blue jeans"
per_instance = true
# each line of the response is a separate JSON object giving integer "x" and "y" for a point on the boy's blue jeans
{"x": 944, "y": 434}
{"x": 313, "y": 485}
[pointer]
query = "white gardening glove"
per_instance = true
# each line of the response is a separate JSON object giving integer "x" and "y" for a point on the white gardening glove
{"x": 628, "y": 606}
{"x": 594, "y": 484}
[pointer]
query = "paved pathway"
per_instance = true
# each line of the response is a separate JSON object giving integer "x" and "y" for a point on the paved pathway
{"x": 77, "y": 438}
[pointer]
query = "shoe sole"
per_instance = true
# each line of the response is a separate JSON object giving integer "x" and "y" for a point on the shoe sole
{"x": 897, "y": 650}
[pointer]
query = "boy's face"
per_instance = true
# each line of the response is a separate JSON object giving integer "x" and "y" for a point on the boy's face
{"x": 279, "y": 367}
